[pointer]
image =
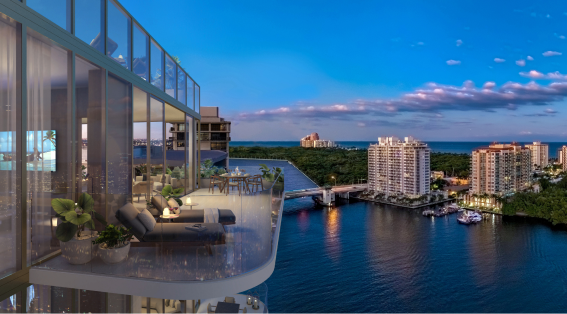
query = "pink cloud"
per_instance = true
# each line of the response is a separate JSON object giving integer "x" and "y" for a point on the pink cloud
{"x": 499, "y": 60}
{"x": 459, "y": 42}
{"x": 521, "y": 63}
{"x": 533, "y": 74}
{"x": 453, "y": 62}
{"x": 530, "y": 58}
{"x": 551, "y": 53}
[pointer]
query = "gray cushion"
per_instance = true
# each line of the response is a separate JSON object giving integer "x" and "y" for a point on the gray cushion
{"x": 226, "y": 216}
{"x": 147, "y": 219}
{"x": 195, "y": 215}
{"x": 128, "y": 216}
{"x": 172, "y": 203}
{"x": 160, "y": 203}
{"x": 176, "y": 232}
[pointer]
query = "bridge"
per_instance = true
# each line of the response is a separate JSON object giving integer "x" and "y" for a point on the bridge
{"x": 341, "y": 190}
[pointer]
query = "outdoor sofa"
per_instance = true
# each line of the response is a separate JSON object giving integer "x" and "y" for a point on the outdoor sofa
{"x": 225, "y": 216}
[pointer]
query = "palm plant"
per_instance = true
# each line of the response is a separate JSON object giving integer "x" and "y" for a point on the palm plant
{"x": 50, "y": 136}
{"x": 169, "y": 193}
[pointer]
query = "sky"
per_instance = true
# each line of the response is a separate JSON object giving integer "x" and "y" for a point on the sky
{"x": 357, "y": 70}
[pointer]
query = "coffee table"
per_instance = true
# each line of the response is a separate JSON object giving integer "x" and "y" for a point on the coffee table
{"x": 169, "y": 217}
{"x": 191, "y": 205}
{"x": 225, "y": 307}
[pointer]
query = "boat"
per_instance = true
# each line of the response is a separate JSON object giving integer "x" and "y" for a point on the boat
{"x": 469, "y": 217}
{"x": 428, "y": 212}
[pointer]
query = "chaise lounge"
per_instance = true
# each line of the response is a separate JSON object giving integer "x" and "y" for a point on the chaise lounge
{"x": 180, "y": 234}
{"x": 225, "y": 216}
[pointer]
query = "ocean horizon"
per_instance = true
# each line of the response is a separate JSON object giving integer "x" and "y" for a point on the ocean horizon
{"x": 436, "y": 146}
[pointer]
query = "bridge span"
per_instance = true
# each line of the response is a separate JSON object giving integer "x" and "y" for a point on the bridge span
{"x": 340, "y": 190}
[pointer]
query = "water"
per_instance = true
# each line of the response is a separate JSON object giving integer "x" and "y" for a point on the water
{"x": 440, "y": 147}
{"x": 364, "y": 257}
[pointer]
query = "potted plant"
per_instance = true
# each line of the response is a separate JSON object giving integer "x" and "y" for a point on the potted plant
{"x": 74, "y": 239}
{"x": 113, "y": 244}
{"x": 207, "y": 169}
{"x": 269, "y": 175}
{"x": 169, "y": 193}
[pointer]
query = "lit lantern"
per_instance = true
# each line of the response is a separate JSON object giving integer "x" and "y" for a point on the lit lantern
{"x": 166, "y": 212}
{"x": 188, "y": 201}
{"x": 249, "y": 300}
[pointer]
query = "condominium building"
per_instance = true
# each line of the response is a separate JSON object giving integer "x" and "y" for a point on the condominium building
{"x": 215, "y": 131}
{"x": 539, "y": 153}
{"x": 399, "y": 167}
{"x": 500, "y": 168}
{"x": 313, "y": 140}
{"x": 562, "y": 156}
{"x": 98, "y": 122}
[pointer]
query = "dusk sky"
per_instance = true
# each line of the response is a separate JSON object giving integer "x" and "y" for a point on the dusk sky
{"x": 356, "y": 70}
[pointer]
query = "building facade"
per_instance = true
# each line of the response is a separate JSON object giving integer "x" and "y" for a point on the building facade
{"x": 313, "y": 140}
{"x": 92, "y": 104}
{"x": 500, "y": 169}
{"x": 215, "y": 131}
{"x": 562, "y": 156}
{"x": 539, "y": 154}
{"x": 399, "y": 167}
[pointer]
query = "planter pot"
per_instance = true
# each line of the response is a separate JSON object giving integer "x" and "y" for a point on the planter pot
{"x": 267, "y": 184}
{"x": 205, "y": 183}
{"x": 77, "y": 251}
{"x": 112, "y": 256}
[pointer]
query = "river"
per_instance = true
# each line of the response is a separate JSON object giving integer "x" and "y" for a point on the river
{"x": 366, "y": 257}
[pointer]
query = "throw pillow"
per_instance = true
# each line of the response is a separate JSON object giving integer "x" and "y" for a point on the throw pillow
{"x": 147, "y": 219}
{"x": 172, "y": 203}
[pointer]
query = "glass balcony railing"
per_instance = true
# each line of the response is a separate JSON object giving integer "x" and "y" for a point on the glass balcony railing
{"x": 216, "y": 234}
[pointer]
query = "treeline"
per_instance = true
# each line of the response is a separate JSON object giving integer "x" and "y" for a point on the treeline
{"x": 550, "y": 203}
{"x": 319, "y": 164}
{"x": 454, "y": 165}
{"x": 347, "y": 166}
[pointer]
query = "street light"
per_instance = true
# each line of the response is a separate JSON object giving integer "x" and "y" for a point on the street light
{"x": 333, "y": 177}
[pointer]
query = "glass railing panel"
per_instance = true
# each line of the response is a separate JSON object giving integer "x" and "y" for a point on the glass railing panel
{"x": 57, "y": 11}
{"x": 118, "y": 42}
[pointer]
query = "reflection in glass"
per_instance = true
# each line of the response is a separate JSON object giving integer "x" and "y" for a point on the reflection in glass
{"x": 190, "y": 93}
{"x": 190, "y": 153}
{"x": 142, "y": 183}
{"x": 175, "y": 147}
{"x": 9, "y": 104}
{"x": 197, "y": 98}
{"x": 49, "y": 139}
{"x": 89, "y": 22}
{"x": 170, "y": 83}
{"x": 157, "y": 66}
{"x": 119, "y": 141}
{"x": 90, "y": 121}
{"x": 57, "y": 11}
{"x": 140, "y": 53}
{"x": 118, "y": 35}
{"x": 156, "y": 144}
{"x": 181, "y": 79}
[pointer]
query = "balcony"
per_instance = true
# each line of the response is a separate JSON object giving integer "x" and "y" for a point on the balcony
{"x": 243, "y": 251}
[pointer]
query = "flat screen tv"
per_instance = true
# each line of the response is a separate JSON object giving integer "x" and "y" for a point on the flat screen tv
{"x": 40, "y": 150}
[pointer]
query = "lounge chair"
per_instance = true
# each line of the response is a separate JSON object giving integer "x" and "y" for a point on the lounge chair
{"x": 177, "y": 233}
{"x": 225, "y": 216}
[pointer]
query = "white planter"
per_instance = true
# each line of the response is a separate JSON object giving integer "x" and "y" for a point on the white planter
{"x": 77, "y": 251}
{"x": 111, "y": 256}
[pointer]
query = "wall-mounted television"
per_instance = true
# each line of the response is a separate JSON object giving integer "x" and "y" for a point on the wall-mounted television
{"x": 40, "y": 150}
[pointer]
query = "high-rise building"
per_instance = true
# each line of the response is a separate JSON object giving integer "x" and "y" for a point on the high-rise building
{"x": 399, "y": 167}
{"x": 540, "y": 154}
{"x": 500, "y": 168}
{"x": 562, "y": 156}
{"x": 313, "y": 140}
{"x": 98, "y": 124}
{"x": 214, "y": 136}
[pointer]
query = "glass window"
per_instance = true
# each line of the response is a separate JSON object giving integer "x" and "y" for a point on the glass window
{"x": 197, "y": 98}
{"x": 119, "y": 141}
{"x": 157, "y": 66}
{"x": 58, "y": 11}
{"x": 49, "y": 139}
{"x": 90, "y": 116}
{"x": 140, "y": 53}
{"x": 175, "y": 146}
{"x": 156, "y": 144}
{"x": 9, "y": 104}
{"x": 190, "y": 93}
{"x": 189, "y": 154}
{"x": 170, "y": 82}
{"x": 89, "y": 22}
{"x": 140, "y": 142}
{"x": 181, "y": 79}
{"x": 118, "y": 35}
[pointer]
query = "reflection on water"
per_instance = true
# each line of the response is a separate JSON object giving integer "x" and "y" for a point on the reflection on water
{"x": 332, "y": 234}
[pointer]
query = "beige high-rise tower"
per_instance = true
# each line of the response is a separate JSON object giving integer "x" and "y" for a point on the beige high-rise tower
{"x": 399, "y": 167}
{"x": 500, "y": 168}
{"x": 562, "y": 152}
{"x": 540, "y": 154}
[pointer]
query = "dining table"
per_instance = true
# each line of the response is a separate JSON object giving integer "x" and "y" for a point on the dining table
{"x": 228, "y": 176}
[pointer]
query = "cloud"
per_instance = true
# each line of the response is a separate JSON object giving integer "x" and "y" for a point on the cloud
{"x": 558, "y": 36}
{"x": 533, "y": 74}
{"x": 525, "y": 132}
{"x": 530, "y": 58}
{"x": 498, "y": 60}
{"x": 459, "y": 42}
{"x": 361, "y": 124}
{"x": 421, "y": 43}
{"x": 453, "y": 62}
{"x": 521, "y": 62}
{"x": 432, "y": 99}
{"x": 551, "y": 53}
{"x": 550, "y": 111}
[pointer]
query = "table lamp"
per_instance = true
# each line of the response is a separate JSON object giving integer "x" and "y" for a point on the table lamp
{"x": 188, "y": 201}
{"x": 249, "y": 300}
{"x": 165, "y": 212}
{"x": 255, "y": 306}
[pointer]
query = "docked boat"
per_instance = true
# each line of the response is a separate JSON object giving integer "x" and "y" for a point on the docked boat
{"x": 428, "y": 212}
{"x": 469, "y": 217}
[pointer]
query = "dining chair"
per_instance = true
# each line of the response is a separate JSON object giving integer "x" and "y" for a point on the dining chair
{"x": 255, "y": 181}
{"x": 216, "y": 180}
{"x": 233, "y": 182}
{"x": 243, "y": 310}
{"x": 210, "y": 308}
{"x": 229, "y": 299}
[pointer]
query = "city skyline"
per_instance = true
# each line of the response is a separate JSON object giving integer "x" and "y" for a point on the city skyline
{"x": 438, "y": 71}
